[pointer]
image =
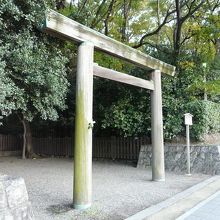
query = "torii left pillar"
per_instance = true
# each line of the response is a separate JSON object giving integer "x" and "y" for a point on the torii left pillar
{"x": 82, "y": 190}
{"x": 158, "y": 171}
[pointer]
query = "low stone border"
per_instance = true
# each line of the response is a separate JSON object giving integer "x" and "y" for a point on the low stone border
{"x": 181, "y": 199}
{"x": 14, "y": 202}
{"x": 204, "y": 202}
{"x": 204, "y": 159}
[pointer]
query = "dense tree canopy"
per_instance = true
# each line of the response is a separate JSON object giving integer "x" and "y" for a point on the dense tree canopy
{"x": 184, "y": 33}
{"x": 32, "y": 70}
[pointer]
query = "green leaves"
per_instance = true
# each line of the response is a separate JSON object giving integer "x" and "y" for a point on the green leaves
{"x": 129, "y": 119}
{"x": 32, "y": 68}
{"x": 206, "y": 118}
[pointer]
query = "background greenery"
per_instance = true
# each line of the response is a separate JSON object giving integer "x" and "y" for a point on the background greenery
{"x": 37, "y": 72}
{"x": 206, "y": 117}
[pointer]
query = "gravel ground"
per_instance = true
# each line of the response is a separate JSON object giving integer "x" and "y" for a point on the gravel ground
{"x": 119, "y": 189}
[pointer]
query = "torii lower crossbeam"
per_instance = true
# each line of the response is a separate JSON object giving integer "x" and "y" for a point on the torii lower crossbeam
{"x": 122, "y": 77}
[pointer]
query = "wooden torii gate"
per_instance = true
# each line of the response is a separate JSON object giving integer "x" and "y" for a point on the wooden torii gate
{"x": 88, "y": 40}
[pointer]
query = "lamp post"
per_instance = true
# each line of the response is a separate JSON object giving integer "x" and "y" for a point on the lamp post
{"x": 188, "y": 122}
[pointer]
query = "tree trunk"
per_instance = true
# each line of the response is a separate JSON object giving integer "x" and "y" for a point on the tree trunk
{"x": 24, "y": 140}
{"x": 27, "y": 140}
{"x": 126, "y": 10}
{"x": 177, "y": 32}
{"x": 29, "y": 144}
{"x": 110, "y": 9}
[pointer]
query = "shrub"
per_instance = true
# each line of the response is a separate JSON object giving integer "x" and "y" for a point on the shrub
{"x": 206, "y": 118}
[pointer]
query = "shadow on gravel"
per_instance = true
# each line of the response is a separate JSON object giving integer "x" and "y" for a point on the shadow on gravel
{"x": 60, "y": 208}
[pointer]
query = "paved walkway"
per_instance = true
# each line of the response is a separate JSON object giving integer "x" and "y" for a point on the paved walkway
{"x": 209, "y": 209}
{"x": 185, "y": 204}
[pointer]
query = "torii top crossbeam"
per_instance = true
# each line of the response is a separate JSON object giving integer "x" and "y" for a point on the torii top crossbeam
{"x": 60, "y": 25}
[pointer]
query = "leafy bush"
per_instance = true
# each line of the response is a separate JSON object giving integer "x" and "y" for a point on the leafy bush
{"x": 172, "y": 117}
{"x": 33, "y": 73}
{"x": 206, "y": 118}
{"x": 127, "y": 118}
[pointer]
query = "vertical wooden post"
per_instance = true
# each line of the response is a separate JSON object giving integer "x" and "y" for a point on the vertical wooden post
{"x": 82, "y": 192}
{"x": 188, "y": 150}
{"x": 158, "y": 170}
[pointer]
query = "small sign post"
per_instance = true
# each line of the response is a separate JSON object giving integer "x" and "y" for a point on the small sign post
{"x": 188, "y": 122}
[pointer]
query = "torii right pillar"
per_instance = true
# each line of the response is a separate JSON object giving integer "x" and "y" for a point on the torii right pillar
{"x": 158, "y": 168}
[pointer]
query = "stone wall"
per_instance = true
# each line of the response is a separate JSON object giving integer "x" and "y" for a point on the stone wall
{"x": 14, "y": 204}
{"x": 204, "y": 159}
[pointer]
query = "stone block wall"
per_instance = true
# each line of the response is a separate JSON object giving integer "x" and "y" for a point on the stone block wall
{"x": 14, "y": 204}
{"x": 204, "y": 159}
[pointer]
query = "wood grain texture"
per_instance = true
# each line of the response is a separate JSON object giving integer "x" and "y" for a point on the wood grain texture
{"x": 82, "y": 194}
{"x": 122, "y": 77}
{"x": 158, "y": 167}
{"x": 63, "y": 27}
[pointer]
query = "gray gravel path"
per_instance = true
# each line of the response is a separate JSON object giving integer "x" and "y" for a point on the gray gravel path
{"x": 119, "y": 189}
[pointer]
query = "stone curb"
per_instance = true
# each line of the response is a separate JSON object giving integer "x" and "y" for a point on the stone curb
{"x": 165, "y": 204}
{"x": 182, "y": 217}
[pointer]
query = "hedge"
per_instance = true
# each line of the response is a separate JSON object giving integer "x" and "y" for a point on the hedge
{"x": 206, "y": 118}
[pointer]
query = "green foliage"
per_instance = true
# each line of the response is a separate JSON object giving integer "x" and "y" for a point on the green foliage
{"x": 32, "y": 69}
{"x": 128, "y": 118}
{"x": 172, "y": 115}
{"x": 129, "y": 114}
{"x": 206, "y": 118}
{"x": 7, "y": 87}
{"x": 206, "y": 79}
{"x": 126, "y": 110}
{"x": 114, "y": 18}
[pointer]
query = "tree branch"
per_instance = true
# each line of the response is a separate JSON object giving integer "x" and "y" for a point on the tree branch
{"x": 156, "y": 46}
{"x": 110, "y": 8}
{"x": 96, "y": 20}
{"x": 191, "y": 10}
{"x": 81, "y": 8}
{"x": 186, "y": 38}
{"x": 165, "y": 21}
